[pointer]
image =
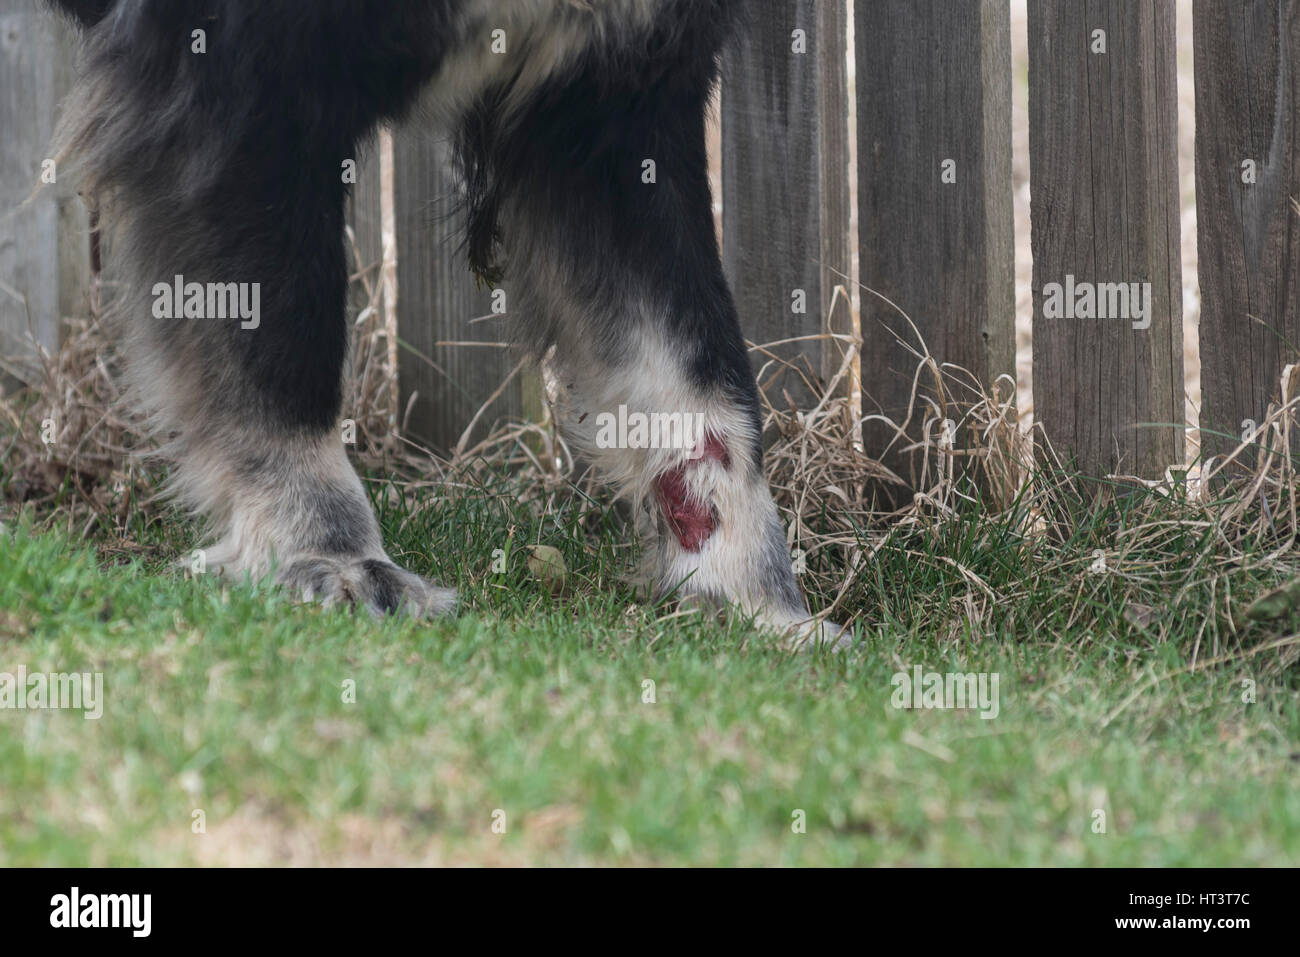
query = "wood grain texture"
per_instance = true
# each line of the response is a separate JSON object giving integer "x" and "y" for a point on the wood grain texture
{"x": 45, "y": 243}
{"x": 365, "y": 219}
{"x": 933, "y": 96}
{"x": 1105, "y": 209}
{"x": 365, "y": 253}
{"x": 438, "y": 304}
{"x": 1247, "y": 61}
{"x": 785, "y": 211}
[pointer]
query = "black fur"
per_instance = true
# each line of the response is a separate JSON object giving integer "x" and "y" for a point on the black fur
{"x": 226, "y": 167}
{"x": 85, "y": 12}
{"x": 571, "y": 161}
{"x": 230, "y": 162}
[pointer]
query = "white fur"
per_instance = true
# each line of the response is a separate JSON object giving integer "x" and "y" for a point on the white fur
{"x": 252, "y": 520}
{"x": 728, "y": 564}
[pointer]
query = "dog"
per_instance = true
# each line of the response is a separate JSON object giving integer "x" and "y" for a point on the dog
{"x": 212, "y": 134}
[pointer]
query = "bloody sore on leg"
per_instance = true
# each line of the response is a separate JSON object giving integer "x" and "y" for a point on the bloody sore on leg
{"x": 691, "y": 519}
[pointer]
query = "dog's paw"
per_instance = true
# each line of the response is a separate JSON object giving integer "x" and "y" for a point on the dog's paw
{"x": 808, "y": 633}
{"x": 375, "y": 584}
{"x": 825, "y": 635}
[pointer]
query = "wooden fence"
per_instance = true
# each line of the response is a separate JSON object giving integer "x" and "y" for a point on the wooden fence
{"x": 934, "y": 202}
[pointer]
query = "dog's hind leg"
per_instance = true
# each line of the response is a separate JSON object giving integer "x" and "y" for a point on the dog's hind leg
{"x": 217, "y": 137}
{"x": 596, "y": 189}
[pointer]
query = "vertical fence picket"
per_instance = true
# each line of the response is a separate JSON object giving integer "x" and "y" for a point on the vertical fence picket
{"x": 45, "y": 264}
{"x": 934, "y": 200}
{"x": 1248, "y": 218}
{"x": 366, "y": 258}
{"x": 438, "y": 304}
{"x": 785, "y": 209}
{"x": 365, "y": 219}
{"x": 1103, "y": 117}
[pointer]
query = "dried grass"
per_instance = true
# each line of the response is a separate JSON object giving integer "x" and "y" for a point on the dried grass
{"x": 962, "y": 439}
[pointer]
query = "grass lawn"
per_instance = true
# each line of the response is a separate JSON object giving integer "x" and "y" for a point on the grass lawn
{"x": 1122, "y": 736}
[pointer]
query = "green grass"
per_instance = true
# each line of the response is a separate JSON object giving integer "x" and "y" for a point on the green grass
{"x": 230, "y": 700}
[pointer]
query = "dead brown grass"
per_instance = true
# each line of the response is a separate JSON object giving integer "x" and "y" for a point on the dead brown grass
{"x": 963, "y": 441}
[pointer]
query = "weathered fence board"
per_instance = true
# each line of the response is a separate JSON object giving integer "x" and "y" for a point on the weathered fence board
{"x": 366, "y": 262}
{"x": 1104, "y": 208}
{"x": 364, "y": 216}
{"x": 934, "y": 199}
{"x": 438, "y": 304}
{"x": 1248, "y": 224}
{"x": 785, "y": 198}
{"x": 44, "y": 245}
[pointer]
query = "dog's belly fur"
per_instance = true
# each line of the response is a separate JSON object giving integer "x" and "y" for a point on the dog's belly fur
{"x": 224, "y": 166}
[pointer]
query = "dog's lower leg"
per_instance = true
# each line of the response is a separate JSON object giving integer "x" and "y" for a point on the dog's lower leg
{"x": 688, "y": 454}
{"x": 292, "y": 506}
{"x": 598, "y": 188}
{"x": 222, "y": 179}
